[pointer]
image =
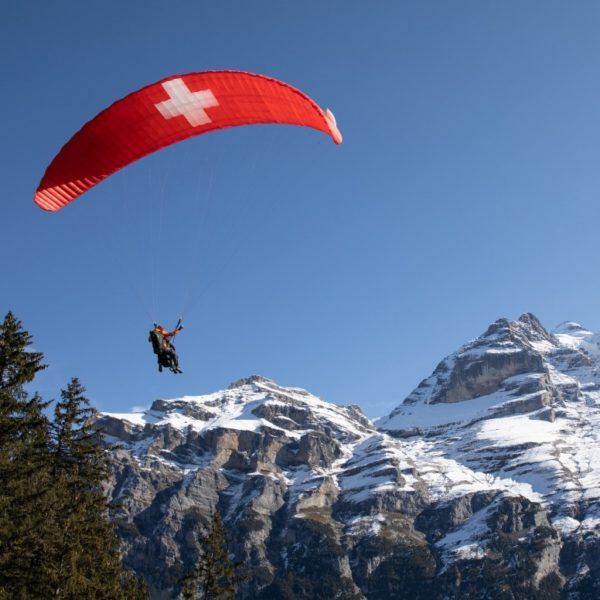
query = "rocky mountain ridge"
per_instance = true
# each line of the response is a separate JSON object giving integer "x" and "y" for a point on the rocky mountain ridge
{"x": 483, "y": 483}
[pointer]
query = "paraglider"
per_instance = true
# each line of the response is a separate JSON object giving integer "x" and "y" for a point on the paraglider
{"x": 169, "y": 111}
{"x": 164, "y": 113}
{"x": 164, "y": 348}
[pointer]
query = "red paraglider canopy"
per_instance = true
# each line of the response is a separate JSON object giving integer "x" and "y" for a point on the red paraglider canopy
{"x": 167, "y": 112}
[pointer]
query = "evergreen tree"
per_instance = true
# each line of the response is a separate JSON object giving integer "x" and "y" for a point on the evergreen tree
{"x": 24, "y": 468}
{"x": 214, "y": 577}
{"x": 55, "y": 537}
{"x": 18, "y": 366}
{"x": 85, "y": 560}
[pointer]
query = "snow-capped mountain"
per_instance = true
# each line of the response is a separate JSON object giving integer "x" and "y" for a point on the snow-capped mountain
{"x": 483, "y": 480}
{"x": 524, "y": 405}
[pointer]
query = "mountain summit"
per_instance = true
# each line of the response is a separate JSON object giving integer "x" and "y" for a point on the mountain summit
{"x": 520, "y": 403}
{"x": 483, "y": 480}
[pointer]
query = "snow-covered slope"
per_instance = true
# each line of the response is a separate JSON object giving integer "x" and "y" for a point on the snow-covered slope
{"x": 254, "y": 404}
{"x": 521, "y": 404}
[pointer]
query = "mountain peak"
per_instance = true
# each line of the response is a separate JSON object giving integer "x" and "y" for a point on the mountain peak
{"x": 525, "y": 330}
{"x": 531, "y": 321}
{"x": 571, "y": 328}
{"x": 505, "y": 362}
{"x": 250, "y": 407}
{"x": 250, "y": 381}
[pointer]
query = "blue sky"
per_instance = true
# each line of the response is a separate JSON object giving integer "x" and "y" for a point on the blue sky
{"x": 466, "y": 190}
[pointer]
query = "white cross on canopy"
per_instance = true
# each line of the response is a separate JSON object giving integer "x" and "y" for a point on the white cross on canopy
{"x": 183, "y": 102}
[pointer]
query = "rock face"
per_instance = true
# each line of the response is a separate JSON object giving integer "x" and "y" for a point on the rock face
{"x": 483, "y": 483}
